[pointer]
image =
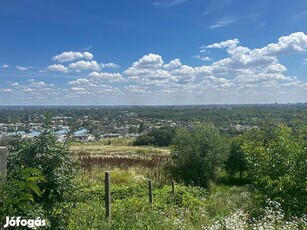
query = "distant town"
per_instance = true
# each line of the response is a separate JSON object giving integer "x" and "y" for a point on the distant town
{"x": 119, "y": 124}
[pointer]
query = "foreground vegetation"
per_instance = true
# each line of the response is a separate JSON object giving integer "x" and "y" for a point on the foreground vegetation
{"x": 256, "y": 180}
{"x": 192, "y": 207}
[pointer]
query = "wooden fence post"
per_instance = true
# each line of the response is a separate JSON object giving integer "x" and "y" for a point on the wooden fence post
{"x": 3, "y": 162}
{"x": 150, "y": 192}
{"x": 107, "y": 195}
{"x": 173, "y": 187}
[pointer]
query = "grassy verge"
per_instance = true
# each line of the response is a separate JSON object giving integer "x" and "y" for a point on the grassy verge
{"x": 220, "y": 207}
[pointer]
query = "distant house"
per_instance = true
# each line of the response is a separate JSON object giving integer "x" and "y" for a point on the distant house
{"x": 62, "y": 134}
{"x": 81, "y": 131}
{"x": 112, "y": 135}
{"x": 62, "y": 131}
{"x": 132, "y": 135}
{"x": 82, "y": 136}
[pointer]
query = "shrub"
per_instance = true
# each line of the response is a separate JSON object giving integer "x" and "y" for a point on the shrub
{"x": 18, "y": 191}
{"x": 55, "y": 164}
{"x": 197, "y": 153}
{"x": 277, "y": 166}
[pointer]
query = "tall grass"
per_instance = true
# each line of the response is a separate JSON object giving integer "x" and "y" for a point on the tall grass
{"x": 221, "y": 207}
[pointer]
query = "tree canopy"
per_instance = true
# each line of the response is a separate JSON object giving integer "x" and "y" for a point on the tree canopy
{"x": 197, "y": 153}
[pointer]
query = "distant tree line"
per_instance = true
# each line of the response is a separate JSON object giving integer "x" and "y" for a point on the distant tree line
{"x": 161, "y": 137}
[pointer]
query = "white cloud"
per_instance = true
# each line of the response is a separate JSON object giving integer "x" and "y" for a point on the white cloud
{"x": 78, "y": 89}
{"x": 27, "y": 90}
{"x": 149, "y": 61}
{"x": 245, "y": 72}
{"x": 205, "y": 58}
{"x": 58, "y": 68}
{"x": 173, "y": 64}
{"x": 168, "y": 3}
{"x": 137, "y": 89}
{"x": 39, "y": 84}
{"x": 246, "y": 75}
{"x": 107, "y": 76}
{"x": 43, "y": 71}
{"x": 21, "y": 68}
{"x": 110, "y": 65}
{"x": 294, "y": 43}
{"x": 15, "y": 84}
{"x": 223, "y": 44}
{"x": 275, "y": 68}
{"x": 80, "y": 81}
{"x": 71, "y": 56}
{"x": 6, "y": 90}
{"x": 5, "y": 66}
{"x": 84, "y": 65}
{"x": 224, "y": 21}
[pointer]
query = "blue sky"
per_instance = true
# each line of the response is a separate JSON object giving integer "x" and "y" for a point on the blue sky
{"x": 152, "y": 52}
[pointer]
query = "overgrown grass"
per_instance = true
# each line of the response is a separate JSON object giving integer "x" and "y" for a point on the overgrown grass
{"x": 93, "y": 155}
{"x": 219, "y": 207}
{"x": 97, "y": 148}
{"x": 230, "y": 204}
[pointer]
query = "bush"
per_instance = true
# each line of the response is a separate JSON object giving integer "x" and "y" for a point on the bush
{"x": 55, "y": 164}
{"x": 277, "y": 166}
{"x": 197, "y": 154}
{"x": 18, "y": 191}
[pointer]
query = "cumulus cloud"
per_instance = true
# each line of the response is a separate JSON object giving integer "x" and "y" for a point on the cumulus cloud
{"x": 223, "y": 44}
{"x": 22, "y": 68}
{"x": 84, "y": 65}
{"x": 71, "y": 56}
{"x": 137, "y": 89}
{"x": 149, "y": 61}
{"x": 27, "y": 90}
{"x": 107, "y": 76}
{"x": 246, "y": 75}
{"x": 110, "y": 65}
{"x": 5, "y": 66}
{"x": 80, "y": 81}
{"x": 291, "y": 44}
{"x": 205, "y": 58}
{"x": 173, "y": 64}
{"x": 39, "y": 84}
{"x": 245, "y": 71}
{"x": 7, "y": 90}
{"x": 78, "y": 89}
{"x": 58, "y": 68}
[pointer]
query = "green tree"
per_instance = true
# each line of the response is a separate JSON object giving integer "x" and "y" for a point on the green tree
{"x": 277, "y": 166}
{"x": 158, "y": 137}
{"x": 55, "y": 163}
{"x": 236, "y": 161}
{"x": 197, "y": 154}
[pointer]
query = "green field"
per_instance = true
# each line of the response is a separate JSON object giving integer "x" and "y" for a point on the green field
{"x": 192, "y": 207}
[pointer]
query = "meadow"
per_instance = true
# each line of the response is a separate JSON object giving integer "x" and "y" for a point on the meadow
{"x": 221, "y": 206}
